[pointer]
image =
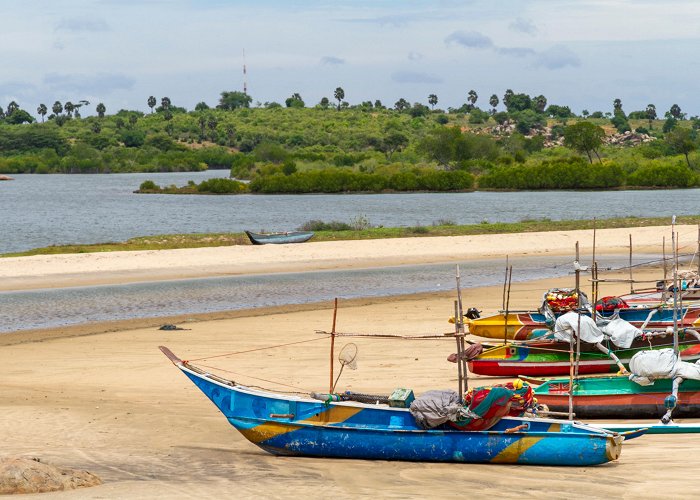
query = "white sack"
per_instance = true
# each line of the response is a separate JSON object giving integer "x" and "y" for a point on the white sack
{"x": 567, "y": 325}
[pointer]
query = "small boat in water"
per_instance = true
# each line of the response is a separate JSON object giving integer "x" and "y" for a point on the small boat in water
{"x": 279, "y": 238}
{"x": 290, "y": 425}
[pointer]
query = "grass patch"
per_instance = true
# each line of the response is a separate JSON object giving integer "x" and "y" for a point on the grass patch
{"x": 171, "y": 241}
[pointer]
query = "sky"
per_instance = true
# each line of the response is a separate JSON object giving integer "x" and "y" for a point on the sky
{"x": 580, "y": 53}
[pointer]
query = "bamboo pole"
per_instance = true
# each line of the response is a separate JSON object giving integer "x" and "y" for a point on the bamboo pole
{"x": 578, "y": 307}
{"x": 674, "y": 243}
{"x": 465, "y": 368}
{"x": 593, "y": 264}
{"x": 631, "y": 280}
{"x": 459, "y": 353}
{"x": 698, "y": 249}
{"x": 596, "y": 284}
{"x": 505, "y": 281}
{"x": 460, "y": 309}
{"x": 505, "y": 323}
{"x": 664, "y": 293}
{"x": 332, "y": 356}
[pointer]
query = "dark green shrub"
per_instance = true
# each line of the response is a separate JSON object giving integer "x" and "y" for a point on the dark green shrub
{"x": 221, "y": 186}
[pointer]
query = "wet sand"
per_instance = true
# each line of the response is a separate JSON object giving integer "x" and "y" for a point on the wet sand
{"x": 102, "y": 397}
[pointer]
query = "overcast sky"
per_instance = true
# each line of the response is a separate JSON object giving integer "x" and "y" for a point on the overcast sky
{"x": 582, "y": 53}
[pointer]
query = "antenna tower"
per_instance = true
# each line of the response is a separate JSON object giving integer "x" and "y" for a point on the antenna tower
{"x": 245, "y": 76}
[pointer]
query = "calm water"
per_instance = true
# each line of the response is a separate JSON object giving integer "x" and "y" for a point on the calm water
{"x": 41, "y": 210}
{"x": 69, "y": 306}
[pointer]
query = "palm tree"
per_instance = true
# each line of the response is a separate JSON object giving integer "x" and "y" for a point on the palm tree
{"x": 651, "y": 113}
{"x": 101, "y": 110}
{"x": 11, "y": 108}
{"x": 68, "y": 107}
{"x": 57, "y": 108}
{"x": 165, "y": 103}
{"x": 152, "y": 103}
{"x": 202, "y": 125}
{"x": 432, "y": 100}
{"x": 493, "y": 101}
{"x": 506, "y": 97}
{"x": 339, "y": 95}
{"x": 42, "y": 110}
{"x": 617, "y": 104}
{"x": 472, "y": 97}
{"x": 540, "y": 103}
{"x": 675, "y": 111}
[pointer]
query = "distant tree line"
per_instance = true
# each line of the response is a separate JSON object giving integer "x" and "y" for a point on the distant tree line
{"x": 335, "y": 146}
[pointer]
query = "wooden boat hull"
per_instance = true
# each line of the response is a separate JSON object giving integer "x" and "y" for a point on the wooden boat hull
{"x": 531, "y": 325}
{"x": 619, "y": 397}
{"x": 279, "y": 238}
{"x": 293, "y": 426}
{"x": 548, "y": 358}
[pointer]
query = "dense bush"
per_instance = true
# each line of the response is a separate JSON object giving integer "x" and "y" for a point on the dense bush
{"x": 346, "y": 181}
{"x": 567, "y": 173}
{"x": 31, "y": 138}
{"x": 222, "y": 186}
{"x": 663, "y": 174}
{"x": 319, "y": 225}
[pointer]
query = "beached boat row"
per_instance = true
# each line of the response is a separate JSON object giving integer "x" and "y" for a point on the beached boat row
{"x": 655, "y": 347}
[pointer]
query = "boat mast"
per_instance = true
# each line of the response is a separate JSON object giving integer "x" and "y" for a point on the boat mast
{"x": 332, "y": 356}
{"x": 674, "y": 242}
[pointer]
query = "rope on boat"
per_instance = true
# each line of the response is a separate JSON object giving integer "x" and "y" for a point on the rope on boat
{"x": 301, "y": 389}
{"x": 258, "y": 349}
{"x": 429, "y": 336}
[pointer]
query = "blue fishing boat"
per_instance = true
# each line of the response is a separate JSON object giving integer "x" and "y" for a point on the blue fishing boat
{"x": 279, "y": 238}
{"x": 297, "y": 426}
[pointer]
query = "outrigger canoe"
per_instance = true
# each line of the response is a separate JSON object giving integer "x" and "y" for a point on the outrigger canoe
{"x": 528, "y": 325}
{"x": 618, "y": 397}
{"x": 551, "y": 358}
{"x": 297, "y": 426}
{"x": 279, "y": 238}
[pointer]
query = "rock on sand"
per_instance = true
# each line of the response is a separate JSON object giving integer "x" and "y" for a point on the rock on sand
{"x": 27, "y": 475}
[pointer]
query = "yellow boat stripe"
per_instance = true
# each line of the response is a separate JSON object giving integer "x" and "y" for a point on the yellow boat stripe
{"x": 334, "y": 415}
{"x": 268, "y": 430}
{"x": 511, "y": 453}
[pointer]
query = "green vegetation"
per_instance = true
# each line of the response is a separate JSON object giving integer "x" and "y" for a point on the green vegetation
{"x": 359, "y": 228}
{"x": 335, "y": 146}
{"x": 210, "y": 186}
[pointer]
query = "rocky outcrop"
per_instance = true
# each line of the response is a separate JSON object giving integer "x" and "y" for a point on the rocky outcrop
{"x": 30, "y": 475}
{"x": 628, "y": 139}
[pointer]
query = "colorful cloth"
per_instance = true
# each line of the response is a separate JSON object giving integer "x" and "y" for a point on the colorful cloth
{"x": 610, "y": 304}
{"x": 487, "y": 405}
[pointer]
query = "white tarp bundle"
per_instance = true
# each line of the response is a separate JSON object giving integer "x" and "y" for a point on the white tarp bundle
{"x": 567, "y": 325}
{"x": 647, "y": 366}
{"x": 622, "y": 333}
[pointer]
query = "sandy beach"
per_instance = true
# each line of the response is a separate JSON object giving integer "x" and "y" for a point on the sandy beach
{"x": 102, "y": 396}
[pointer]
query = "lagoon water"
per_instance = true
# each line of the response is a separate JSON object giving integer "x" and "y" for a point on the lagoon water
{"x": 42, "y": 210}
{"x": 69, "y": 306}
